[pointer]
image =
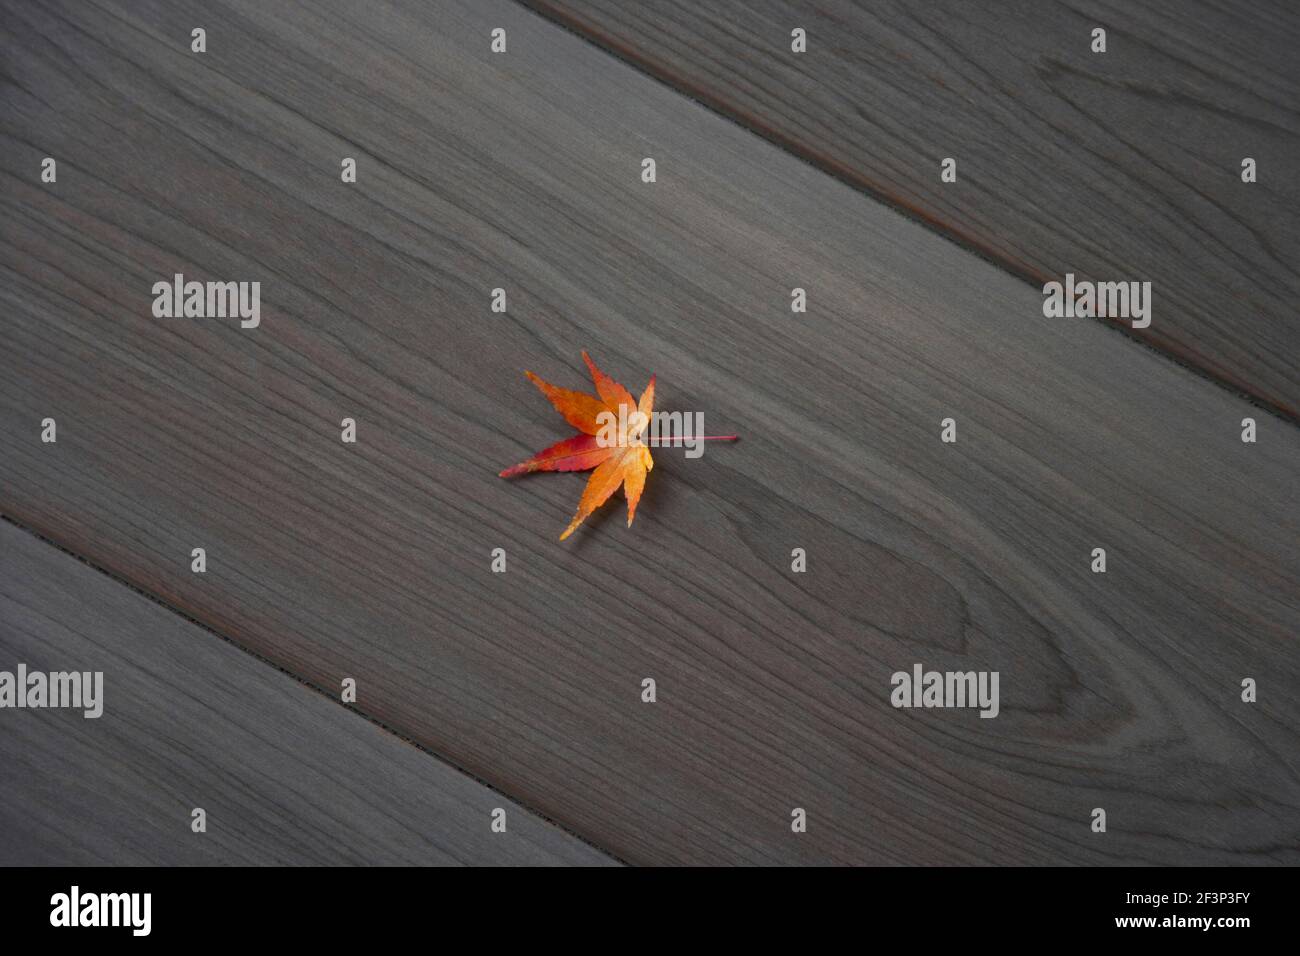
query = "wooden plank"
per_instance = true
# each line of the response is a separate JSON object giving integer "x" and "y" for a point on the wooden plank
{"x": 1115, "y": 166}
{"x": 186, "y": 720}
{"x": 522, "y": 171}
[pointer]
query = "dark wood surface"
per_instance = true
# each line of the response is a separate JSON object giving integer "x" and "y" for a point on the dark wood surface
{"x": 284, "y": 776}
{"x": 1119, "y": 690}
{"x": 1122, "y": 165}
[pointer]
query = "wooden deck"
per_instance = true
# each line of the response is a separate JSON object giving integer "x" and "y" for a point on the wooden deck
{"x": 372, "y": 561}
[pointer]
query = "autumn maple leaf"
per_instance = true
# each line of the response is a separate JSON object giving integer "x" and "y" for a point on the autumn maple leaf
{"x": 614, "y": 446}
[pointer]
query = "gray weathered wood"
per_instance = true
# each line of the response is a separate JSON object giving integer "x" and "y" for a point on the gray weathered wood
{"x": 522, "y": 171}
{"x": 284, "y": 775}
{"x": 1122, "y": 165}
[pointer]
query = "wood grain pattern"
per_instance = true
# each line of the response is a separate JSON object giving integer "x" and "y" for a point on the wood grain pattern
{"x": 521, "y": 171}
{"x": 1123, "y": 165}
{"x": 285, "y": 776}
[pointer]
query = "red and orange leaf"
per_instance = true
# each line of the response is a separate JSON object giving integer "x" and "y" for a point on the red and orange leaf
{"x": 623, "y": 461}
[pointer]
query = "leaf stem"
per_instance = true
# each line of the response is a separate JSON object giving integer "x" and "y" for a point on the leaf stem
{"x": 654, "y": 442}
